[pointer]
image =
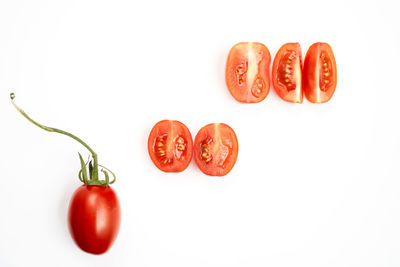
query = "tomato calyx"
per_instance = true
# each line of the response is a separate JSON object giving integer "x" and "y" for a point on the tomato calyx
{"x": 91, "y": 178}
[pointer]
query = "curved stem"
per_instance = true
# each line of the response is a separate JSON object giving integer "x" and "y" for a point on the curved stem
{"x": 50, "y": 129}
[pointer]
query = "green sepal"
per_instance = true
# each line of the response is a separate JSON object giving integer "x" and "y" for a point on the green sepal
{"x": 107, "y": 179}
{"x": 80, "y": 176}
{"x": 90, "y": 170}
{"x": 114, "y": 178}
{"x": 83, "y": 170}
{"x": 107, "y": 169}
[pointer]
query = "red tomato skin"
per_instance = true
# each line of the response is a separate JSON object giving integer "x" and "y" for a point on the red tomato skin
{"x": 312, "y": 71}
{"x": 94, "y": 218}
{"x": 239, "y": 64}
{"x": 294, "y": 95}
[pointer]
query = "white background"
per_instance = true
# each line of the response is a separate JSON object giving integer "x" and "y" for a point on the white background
{"x": 314, "y": 185}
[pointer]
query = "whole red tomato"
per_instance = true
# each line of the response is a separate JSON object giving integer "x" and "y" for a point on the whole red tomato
{"x": 94, "y": 218}
{"x": 94, "y": 213}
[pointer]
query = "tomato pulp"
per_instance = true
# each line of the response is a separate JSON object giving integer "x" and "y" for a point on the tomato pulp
{"x": 94, "y": 218}
{"x": 216, "y": 149}
{"x": 286, "y": 73}
{"x": 319, "y": 73}
{"x": 247, "y": 72}
{"x": 170, "y": 146}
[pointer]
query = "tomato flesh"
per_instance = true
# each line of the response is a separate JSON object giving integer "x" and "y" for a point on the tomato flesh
{"x": 170, "y": 146}
{"x": 319, "y": 73}
{"x": 286, "y": 73}
{"x": 94, "y": 217}
{"x": 247, "y": 72}
{"x": 216, "y": 149}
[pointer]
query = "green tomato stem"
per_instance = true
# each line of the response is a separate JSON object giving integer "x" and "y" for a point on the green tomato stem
{"x": 95, "y": 176}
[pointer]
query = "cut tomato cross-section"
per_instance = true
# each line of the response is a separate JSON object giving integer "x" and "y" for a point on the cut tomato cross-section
{"x": 216, "y": 149}
{"x": 319, "y": 73}
{"x": 247, "y": 72}
{"x": 286, "y": 73}
{"x": 170, "y": 146}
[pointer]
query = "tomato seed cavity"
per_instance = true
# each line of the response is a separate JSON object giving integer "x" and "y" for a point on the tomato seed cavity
{"x": 240, "y": 72}
{"x": 286, "y": 76}
{"x": 257, "y": 87}
{"x": 180, "y": 147}
{"x": 205, "y": 153}
{"x": 325, "y": 74}
{"x": 160, "y": 149}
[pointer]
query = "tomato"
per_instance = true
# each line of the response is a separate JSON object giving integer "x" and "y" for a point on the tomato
{"x": 216, "y": 149}
{"x": 170, "y": 146}
{"x": 286, "y": 73}
{"x": 94, "y": 213}
{"x": 319, "y": 73}
{"x": 247, "y": 72}
{"x": 94, "y": 218}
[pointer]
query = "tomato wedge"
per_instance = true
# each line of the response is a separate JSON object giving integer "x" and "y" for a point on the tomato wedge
{"x": 247, "y": 72}
{"x": 319, "y": 73}
{"x": 286, "y": 73}
{"x": 170, "y": 146}
{"x": 216, "y": 149}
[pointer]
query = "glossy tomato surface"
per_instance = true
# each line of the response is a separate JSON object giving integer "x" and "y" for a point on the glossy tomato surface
{"x": 319, "y": 73}
{"x": 170, "y": 146}
{"x": 216, "y": 149}
{"x": 94, "y": 218}
{"x": 286, "y": 73}
{"x": 247, "y": 72}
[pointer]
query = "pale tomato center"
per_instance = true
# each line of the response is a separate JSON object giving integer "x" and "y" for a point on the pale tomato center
{"x": 247, "y": 73}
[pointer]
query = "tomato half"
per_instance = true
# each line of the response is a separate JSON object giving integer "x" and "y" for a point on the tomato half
{"x": 247, "y": 72}
{"x": 94, "y": 218}
{"x": 216, "y": 149}
{"x": 286, "y": 73}
{"x": 170, "y": 146}
{"x": 319, "y": 73}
